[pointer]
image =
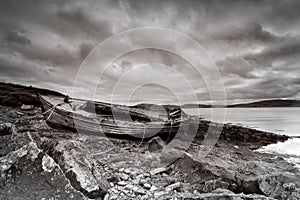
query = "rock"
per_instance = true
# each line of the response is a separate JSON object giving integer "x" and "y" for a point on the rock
{"x": 247, "y": 177}
{"x": 137, "y": 179}
{"x": 138, "y": 190}
{"x": 20, "y": 113}
{"x": 174, "y": 150}
{"x": 179, "y": 144}
{"x": 157, "y": 194}
{"x": 147, "y": 186}
{"x": 133, "y": 171}
{"x": 13, "y": 114}
{"x": 228, "y": 195}
{"x": 201, "y": 171}
{"x": 211, "y": 185}
{"x": 122, "y": 183}
{"x": 48, "y": 164}
{"x": 173, "y": 186}
{"x": 30, "y": 150}
{"x": 78, "y": 167}
{"x": 153, "y": 188}
{"x": 169, "y": 155}
{"x": 248, "y": 184}
{"x": 157, "y": 171}
{"x": 246, "y": 137}
{"x": 127, "y": 170}
{"x": 156, "y": 144}
{"x": 281, "y": 186}
{"x": 106, "y": 197}
{"x": 124, "y": 177}
{"x": 7, "y": 129}
{"x": 222, "y": 190}
{"x": 171, "y": 179}
{"x": 27, "y": 107}
{"x": 28, "y": 180}
{"x": 290, "y": 191}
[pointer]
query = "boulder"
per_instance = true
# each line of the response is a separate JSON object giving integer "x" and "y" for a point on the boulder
{"x": 156, "y": 144}
{"x": 280, "y": 186}
{"x": 247, "y": 177}
{"x": 169, "y": 155}
{"x": 174, "y": 150}
{"x": 7, "y": 129}
{"x": 78, "y": 167}
{"x": 172, "y": 186}
{"x": 26, "y": 172}
{"x": 202, "y": 171}
{"x": 211, "y": 185}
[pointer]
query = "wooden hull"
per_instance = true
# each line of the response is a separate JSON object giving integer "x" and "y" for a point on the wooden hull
{"x": 59, "y": 118}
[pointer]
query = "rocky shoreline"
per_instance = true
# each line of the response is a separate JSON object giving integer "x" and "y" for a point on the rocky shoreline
{"x": 38, "y": 161}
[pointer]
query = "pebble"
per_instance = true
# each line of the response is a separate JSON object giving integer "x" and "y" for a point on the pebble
{"x": 106, "y": 197}
{"x": 153, "y": 188}
{"x": 159, "y": 193}
{"x": 132, "y": 171}
{"x": 139, "y": 190}
{"x": 26, "y": 107}
{"x": 173, "y": 186}
{"x": 124, "y": 177}
{"x": 157, "y": 171}
{"x": 147, "y": 186}
{"x": 127, "y": 170}
{"x": 122, "y": 183}
{"x": 136, "y": 181}
{"x": 143, "y": 181}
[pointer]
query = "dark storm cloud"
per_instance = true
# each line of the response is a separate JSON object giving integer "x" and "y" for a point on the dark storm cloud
{"x": 272, "y": 72}
{"x": 15, "y": 36}
{"x": 236, "y": 66}
{"x": 84, "y": 49}
{"x": 250, "y": 33}
{"x": 287, "y": 50}
{"x": 255, "y": 44}
{"x": 86, "y": 24}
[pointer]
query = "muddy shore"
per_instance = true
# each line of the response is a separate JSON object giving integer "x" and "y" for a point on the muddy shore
{"x": 39, "y": 162}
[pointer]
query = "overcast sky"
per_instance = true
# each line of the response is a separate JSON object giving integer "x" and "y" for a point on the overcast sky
{"x": 254, "y": 44}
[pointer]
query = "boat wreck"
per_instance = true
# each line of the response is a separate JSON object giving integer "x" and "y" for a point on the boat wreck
{"x": 113, "y": 120}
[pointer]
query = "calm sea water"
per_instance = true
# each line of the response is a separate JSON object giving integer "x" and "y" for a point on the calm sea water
{"x": 275, "y": 120}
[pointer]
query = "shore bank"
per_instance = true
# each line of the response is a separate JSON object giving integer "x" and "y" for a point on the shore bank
{"x": 34, "y": 159}
{"x": 38, "y": 162}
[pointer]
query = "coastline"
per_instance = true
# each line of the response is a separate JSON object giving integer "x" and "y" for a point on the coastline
{"x": 62, "y": 164}
{"x": 231, "y": 168}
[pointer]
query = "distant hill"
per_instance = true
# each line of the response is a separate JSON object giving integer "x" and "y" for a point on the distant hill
{"x": 16, "y": 95}
{"x": 265, "y": 103}
{"x": 195, "y": 106}
{"x": 268, "y": 103}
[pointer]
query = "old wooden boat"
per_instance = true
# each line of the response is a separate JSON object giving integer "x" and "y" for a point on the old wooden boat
{"x": 111, "y": 119}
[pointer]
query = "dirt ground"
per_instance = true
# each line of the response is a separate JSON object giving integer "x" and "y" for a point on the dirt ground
{"x": 38, "y": 162}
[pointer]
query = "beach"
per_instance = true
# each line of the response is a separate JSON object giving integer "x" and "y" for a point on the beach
{"x": 38, "y": 161}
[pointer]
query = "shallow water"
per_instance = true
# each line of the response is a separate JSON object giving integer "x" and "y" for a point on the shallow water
{"x": 275, "y": 120}
{"x": 290, "y": 149}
